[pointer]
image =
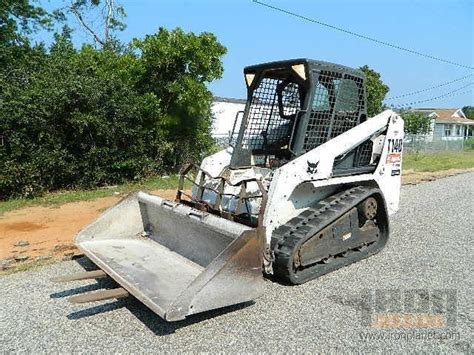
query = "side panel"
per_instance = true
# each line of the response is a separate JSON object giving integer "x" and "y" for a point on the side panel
{"x": 316, "y": 168}
{"x": 389, "y": 171}
{"x": 214, "y": 164}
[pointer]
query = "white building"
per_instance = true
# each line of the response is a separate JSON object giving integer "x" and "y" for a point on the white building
{"x": 224, "y": 112}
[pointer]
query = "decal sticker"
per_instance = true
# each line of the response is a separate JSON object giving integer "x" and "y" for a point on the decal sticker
{"x": 395, "y": 172}
{"x": 394, "y": 158}
{"x": 395, "y": 145}
{"x": 312, "y": 168}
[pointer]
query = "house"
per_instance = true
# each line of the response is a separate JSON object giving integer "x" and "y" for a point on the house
{"x": 224, "y": 112}
{"x": 448, "y": 123}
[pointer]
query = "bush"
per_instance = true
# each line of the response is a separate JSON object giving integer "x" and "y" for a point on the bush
{"x": 89, "y": 117}
{"x": 469, "y": 143}
{"x": 416, "y": 123}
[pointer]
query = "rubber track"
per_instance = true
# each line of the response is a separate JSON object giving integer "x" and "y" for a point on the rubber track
{"x": 288, "y": 238}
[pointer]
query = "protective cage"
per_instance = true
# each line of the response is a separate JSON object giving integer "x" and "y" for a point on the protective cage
{"x": 291, "y": 111}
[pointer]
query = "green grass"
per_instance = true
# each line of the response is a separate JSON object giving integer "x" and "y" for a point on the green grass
{"x": 438, "y": 161}
{"x": 25, "y": 266}
{"x": 61, "y": 197}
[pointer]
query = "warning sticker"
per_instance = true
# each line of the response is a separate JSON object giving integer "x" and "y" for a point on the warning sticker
{"x": 393, "y": 158}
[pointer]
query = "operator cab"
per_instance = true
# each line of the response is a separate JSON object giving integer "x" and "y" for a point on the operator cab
{"x": 294, "y": 106}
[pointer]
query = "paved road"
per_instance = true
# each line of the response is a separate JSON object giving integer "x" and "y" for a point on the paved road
{"x": 430, "y": 249}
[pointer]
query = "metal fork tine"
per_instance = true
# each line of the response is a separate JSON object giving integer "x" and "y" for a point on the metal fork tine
{"x": 99, "y": 295}
{"x": 96, "y": 274}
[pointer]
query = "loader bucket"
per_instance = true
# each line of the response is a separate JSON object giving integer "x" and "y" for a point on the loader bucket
{"x": 175, "y": 259}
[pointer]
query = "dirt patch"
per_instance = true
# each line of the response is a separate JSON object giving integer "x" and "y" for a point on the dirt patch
{"x": 411, "y": 177}
{"x": 23, "y": 226}
{"x": 49, "y": 231}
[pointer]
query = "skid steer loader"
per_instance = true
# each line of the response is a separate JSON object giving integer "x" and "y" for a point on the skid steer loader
{"x": 304, "y": 187}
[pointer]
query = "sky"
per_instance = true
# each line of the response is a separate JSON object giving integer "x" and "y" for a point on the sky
{"x": 255, "y": 34}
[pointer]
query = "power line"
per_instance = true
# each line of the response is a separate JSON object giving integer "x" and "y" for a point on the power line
{"x": 368, "y": 38}
{"x": 450, "y": 93}
{"x": 430, "y": 88}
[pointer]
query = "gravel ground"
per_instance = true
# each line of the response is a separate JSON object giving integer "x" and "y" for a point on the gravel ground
{"x": 430, "y": 249}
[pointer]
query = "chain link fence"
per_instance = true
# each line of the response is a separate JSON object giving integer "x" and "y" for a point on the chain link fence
{"x": 436, "y": 144}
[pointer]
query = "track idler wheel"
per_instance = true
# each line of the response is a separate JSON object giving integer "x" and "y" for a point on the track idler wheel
{"x": 367, "y": 209}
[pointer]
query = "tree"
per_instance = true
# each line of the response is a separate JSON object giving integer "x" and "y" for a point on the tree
{"x": 375, "y": 90}
{"x": 86, "y": 12}
{"x": 18, "y": 19}
{"x": 176, "y": 67}
{"x": 416, "y": 123}
{"x": 469, "y": 112}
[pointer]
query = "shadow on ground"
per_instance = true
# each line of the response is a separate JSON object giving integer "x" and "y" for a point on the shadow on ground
{"x": 104, "y": 283}
{"x": 151, "y": 320}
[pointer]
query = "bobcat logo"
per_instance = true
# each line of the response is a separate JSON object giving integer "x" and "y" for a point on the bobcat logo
{"x": 312, "y": 168}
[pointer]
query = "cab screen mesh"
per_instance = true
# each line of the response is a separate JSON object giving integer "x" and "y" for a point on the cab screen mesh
{"x": 336, "y": 107}
{"x": 269, "y": 125}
